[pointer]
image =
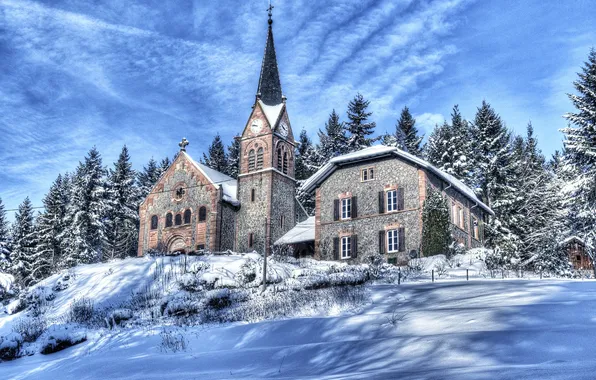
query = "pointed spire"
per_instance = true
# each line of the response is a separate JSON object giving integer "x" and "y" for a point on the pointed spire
{"x": 269, "y": 90}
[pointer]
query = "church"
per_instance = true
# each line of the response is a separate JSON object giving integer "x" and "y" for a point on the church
{"x": 367, "y": 202}
{"x": 194, "y": 208}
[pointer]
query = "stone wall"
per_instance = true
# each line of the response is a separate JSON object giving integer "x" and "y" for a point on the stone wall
{"x": 283, "y": 205}
{"x": 252, "y": 215}
{"x": 389, "y": 173}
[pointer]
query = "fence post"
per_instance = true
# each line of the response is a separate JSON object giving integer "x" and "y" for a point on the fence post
{"x": 467, "y": 275}
{"x": 541, "y": 273}
{"x": 502, "y": 274}
{"x": 398, "y": 276}
{"x": 433, "y": 275}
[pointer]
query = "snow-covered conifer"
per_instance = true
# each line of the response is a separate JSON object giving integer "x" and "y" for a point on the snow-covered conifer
{"x": 4, "y": 239}
{"x": 148, "y": 177}
{"x": 23, "y": 244}
{"x": 406, "y": 134}
{"x": 234, "y": 158}
{"x": 216, "y": 159}
{"x": 123, "y": 219}
{"x": 332, "y": 141}
{"x": 358, "y": 127}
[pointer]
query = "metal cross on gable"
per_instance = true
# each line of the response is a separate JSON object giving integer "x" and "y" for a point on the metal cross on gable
{"x": 270, "y": 9}
{"x": 182, "y": 144}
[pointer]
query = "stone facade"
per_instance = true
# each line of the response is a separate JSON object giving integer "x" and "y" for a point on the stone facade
{"x": 373, "y": 221}
{"x": 190, "y": 234}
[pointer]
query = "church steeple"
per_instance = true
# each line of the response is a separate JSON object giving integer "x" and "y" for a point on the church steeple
{"x": 269, "y": 90}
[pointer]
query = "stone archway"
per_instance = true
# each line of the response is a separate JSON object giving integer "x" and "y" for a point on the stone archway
{"x": 177, "y": 245}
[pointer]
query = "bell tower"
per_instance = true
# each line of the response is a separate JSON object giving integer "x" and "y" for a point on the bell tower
{"x": 266, "y": 184}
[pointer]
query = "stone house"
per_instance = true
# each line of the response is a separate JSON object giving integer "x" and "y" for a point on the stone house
{"x": 193, "y": 208}
{"x": 370, "y": 202}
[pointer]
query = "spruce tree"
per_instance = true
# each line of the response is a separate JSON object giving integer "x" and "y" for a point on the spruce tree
{"x": 85, "y": 235}
{"x": 496, "y": 179}
{"x": 332, "y": 141}
{"x": 234, "y": 158}
{"x": 437, "y": 148}
{"x": 123, "y": 219}
{"x": 164, "y": 164}
{"x": 305, "y": 166}
{"x": 580, "y": 143}
{"x": 147, "y": 178}
{"x": 49, "y": 229}
{"x": 436, "y": 232}
{"x": 358, "y": 127}
{"x": 217, "y": 158}
{"x": 406, "y": 134}
{"x": 23, "y": 245}
{"x": 4, "y": 240}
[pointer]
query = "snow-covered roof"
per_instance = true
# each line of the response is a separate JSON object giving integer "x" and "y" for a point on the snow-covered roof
{"x": 303, "y": 231}
{"x": 272, "y": 113}
{"x": 378, "y": 151}
{"x": 228, "y": 184}
{"x": 572, "y": 239}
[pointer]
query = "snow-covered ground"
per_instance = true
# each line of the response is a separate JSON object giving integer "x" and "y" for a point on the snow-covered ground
{"x": 464, "y": 330}
{"x": 478, "y": 329}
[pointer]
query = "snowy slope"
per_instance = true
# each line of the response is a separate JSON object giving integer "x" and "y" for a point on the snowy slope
{"x": 463, "y": 330}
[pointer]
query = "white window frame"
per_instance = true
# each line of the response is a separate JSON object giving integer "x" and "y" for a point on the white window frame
{"x": 391, "y": 206}
{"x": 346, "y": 247}
{"x": 392, "y": 241}
{"x": 367, "y": 174}
{"x": 346, "y": 208}
{"x": 455, "y": 214}
{"x": 462, "y": 218}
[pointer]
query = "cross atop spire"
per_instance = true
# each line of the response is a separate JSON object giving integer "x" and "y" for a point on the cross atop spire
{"x": 182, "y": 144}
{"x": 269, "y": 90}
{"x": 269, "y": 12}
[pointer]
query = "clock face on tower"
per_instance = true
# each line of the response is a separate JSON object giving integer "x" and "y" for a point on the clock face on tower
{"x": 283, "y": 129}
{"x": 256, "y": 126}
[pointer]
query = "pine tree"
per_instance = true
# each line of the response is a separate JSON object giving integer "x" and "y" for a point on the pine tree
{"x": 217, "y": 158}
{"x": 23, "y": 247}
{"x": 449, "y": 148}
{"x": 332, "y": 141}
{"x": 164, "y": 164}
{"x": 305, "y": 166}
{"x": 85, "y": 235}
{"x": 148, "y": 178}
{"x": 496, "y": 178}
{"x": 49, "y": 228}
{"x": 234, "y": 158}
{"x": 406, "y": 134}
{"x": 580, "y": 143}
{"x": 436, "y": 233}
{"x": 4, "y": 240}
{"x": 358, "y": 128}
{"x": 123, "y": 219}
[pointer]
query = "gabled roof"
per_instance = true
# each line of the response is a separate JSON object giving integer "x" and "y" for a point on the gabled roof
{"x": 303, "y": 231}
{"x": 379, "y": 151}
{"x": 228, "y": 184}
{"x": 269, "y": 83}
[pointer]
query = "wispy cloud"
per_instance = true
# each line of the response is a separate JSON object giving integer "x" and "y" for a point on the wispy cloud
{"x": 74, "y": 74}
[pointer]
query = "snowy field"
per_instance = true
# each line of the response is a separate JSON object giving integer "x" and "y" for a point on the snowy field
{"x": 478, "y": 329}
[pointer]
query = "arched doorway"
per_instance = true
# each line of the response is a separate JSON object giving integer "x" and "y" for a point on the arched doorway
{"x": 177, "y": 245}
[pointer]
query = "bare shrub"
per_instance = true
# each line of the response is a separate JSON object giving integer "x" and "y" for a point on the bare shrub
{"x": 10, "y": 346}
{"x": 30, "y": 328}
{"x": 172, "y": 341}
{"x": 81, "y": 311}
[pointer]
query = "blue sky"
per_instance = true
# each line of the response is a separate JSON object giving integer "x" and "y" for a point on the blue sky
{"x": 74, "y": 73}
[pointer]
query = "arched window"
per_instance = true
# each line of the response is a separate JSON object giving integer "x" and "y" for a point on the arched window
{"x": 202, "y": 214}
{"x": 187, "y": 215}
{"x": 251, "y": 160}
{"x": 279, "y": 159}
{"x": 178, "y": 219}
{"x": 260, "y": 158}
{"x": 154, "y": 222}
{"x": 285, "y": 168}
{"x": 169, "y": 219}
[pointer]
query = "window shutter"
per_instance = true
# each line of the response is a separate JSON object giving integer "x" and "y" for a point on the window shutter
{"x": 354, "y": 247}
{"x": 354, "y": 208}
{"x": 335, "y": 248}
{"x": 336, "y": 209}
{"x": 402, "y": 239}
{"x": 381, "y": 202}
{"x": 382, "y": 241}
{"x": 400, "y": 198}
